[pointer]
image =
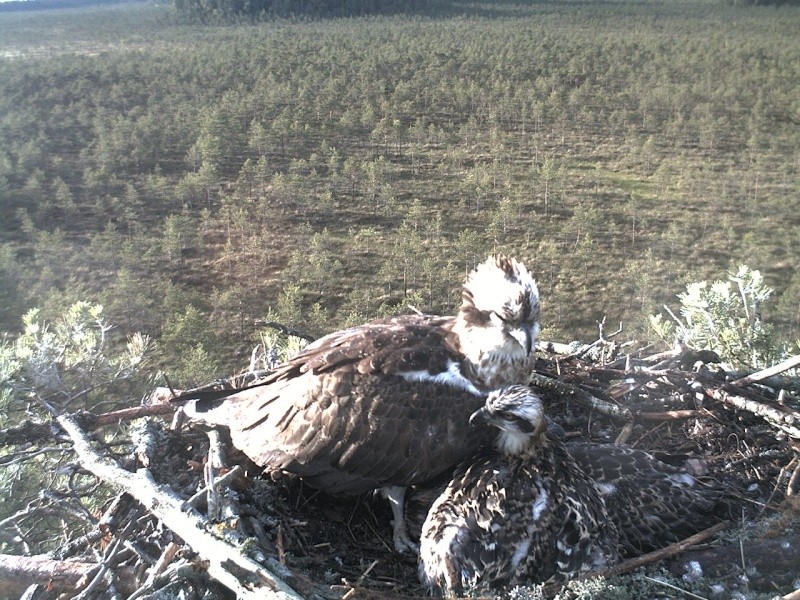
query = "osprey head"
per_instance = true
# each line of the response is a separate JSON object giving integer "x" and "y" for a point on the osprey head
{"x": 518, "y": 413}
{"x": 500, "y": 295}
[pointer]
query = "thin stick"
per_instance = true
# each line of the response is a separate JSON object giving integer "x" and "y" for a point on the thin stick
{"x": 671, "y": 415}
{"x": 676, "y": 588}
{"x": 645, "y": 559}
{"x": 789, "y": 363}
{"x": 91, "y": 421}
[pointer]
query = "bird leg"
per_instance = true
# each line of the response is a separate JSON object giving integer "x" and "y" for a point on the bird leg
{"x": 402, "y": 541}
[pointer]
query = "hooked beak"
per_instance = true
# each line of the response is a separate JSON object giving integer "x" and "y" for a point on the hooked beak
{"x": 525, "y": 335}
{"x": 479, "y": 417}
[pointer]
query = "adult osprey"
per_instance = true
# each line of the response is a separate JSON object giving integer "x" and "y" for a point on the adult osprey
{"x": 519, "y": 512}
{"x": 652, "y": 503}
{"x": 387, "y": 404}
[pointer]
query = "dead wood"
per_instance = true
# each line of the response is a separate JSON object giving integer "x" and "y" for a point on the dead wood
{"x": 224, "y": 563}
{"x": 286, "y": 330}
{"x": 785, "y": 420}
{"x": 19, "y": 572}
{"x": 786, "y": 365}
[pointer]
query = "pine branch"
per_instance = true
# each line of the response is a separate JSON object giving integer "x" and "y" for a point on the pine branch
{"x": 226, "y": 564}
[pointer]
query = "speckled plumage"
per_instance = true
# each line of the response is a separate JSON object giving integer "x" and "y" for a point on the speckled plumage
{"x": 520, "y": 511}
{"x": 652, "y": 503}
{"x": 387, "y": 403}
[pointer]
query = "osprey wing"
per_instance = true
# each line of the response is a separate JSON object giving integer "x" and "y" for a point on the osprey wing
{"x": 376, "y": 405}
{"x": 652, "y": 503}
{"x": 388, "y": 346}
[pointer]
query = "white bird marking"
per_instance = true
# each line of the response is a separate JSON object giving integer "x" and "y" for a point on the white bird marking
{"x": 452, "y": 377}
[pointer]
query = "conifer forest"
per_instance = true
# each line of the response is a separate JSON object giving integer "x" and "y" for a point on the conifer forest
{"x": 176, "y": 178}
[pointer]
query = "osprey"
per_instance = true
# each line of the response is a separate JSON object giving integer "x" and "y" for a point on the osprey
{"x": 519, "y": 512}
{"x": 652, "y": 503}
{"x": 387, "y": 404}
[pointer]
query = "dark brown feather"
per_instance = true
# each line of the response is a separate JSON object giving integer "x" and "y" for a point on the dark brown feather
{"x": 316, "y": 415}
{"x": 653, "y": 503}
{"x": 507, "y": 519}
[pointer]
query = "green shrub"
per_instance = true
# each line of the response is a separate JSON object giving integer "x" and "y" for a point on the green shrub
{"x": 726, "y": 317}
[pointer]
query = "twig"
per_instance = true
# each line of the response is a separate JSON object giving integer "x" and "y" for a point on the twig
{"x": 646, "y": 559}
{"x": 671, "y": 415}
{"x": 226, "y": 564}
{"x": 181, "y": 570}
{"x": 92, "y": 421}
{"x": 675, "y": 587}
{"x": 198, "y": 497}
{"x": 785, "y": 421}
{"x": 790, "y": 487}
{"x": 559, "y": 388}
{"x": 109, "y": 554}
{"x": 789, "y": 363}
{"x": 163, "y": 562}
{"x": 285, "y": 330}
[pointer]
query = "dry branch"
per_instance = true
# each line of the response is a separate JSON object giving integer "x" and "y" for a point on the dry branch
{"x": 789, "y": 363}
{"x": 93, "y": 421}
{"x": 788, "y": 422}
{"x": 19, "y": 572}
{"x": 225, "y": 563}
{"x": 561, "y": 389}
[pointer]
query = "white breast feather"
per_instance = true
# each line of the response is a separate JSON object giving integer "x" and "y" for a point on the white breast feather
{"x": 539, "y": 506}
{"x": 605, "y": 488}
{"x": 683, "y": 479}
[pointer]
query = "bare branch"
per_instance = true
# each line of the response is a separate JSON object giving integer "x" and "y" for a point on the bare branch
{"x": 19, "y": 572}
{"x": 226, "y": 564}
{"x": 285, "y": 330}
{"x": 785, "y": 420}
{"x": 789, "y": 363}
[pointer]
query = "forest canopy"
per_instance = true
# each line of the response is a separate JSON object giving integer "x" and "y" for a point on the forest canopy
{"x": 196, "y": 180}
{"x": 175, "y": 176}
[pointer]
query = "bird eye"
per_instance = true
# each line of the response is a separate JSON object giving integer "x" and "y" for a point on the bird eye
{"x": 521, "y": 424}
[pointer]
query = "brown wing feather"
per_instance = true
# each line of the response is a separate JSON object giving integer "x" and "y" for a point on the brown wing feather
{"x": 653, "y": 503}
{"x": 382, "y": 346}
{"x": 341, "y": 416}
{"x": 327, "y": 433}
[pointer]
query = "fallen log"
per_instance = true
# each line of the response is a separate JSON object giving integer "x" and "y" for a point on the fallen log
{"x": 17, "y": 573}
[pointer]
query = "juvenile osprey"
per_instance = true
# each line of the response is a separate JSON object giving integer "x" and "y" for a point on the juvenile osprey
{"x": 387, "y": 404}
{"x": 518, "y": 512}
{"x": 653, "y": 504}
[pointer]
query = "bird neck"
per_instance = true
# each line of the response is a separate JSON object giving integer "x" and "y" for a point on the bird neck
{"x": 517, "y": 444}
{"x": 491, "y": 358}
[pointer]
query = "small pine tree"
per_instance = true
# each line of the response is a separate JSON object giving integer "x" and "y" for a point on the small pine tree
{"x": 67, "y": 364}
{"x": 726, "y": 317}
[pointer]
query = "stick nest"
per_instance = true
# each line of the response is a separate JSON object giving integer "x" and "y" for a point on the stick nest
{"x": 740, "y": 434}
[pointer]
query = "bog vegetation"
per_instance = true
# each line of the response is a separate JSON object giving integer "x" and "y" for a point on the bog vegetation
{"x": 195, "y": 175}
{"x": 190, "y": 171}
